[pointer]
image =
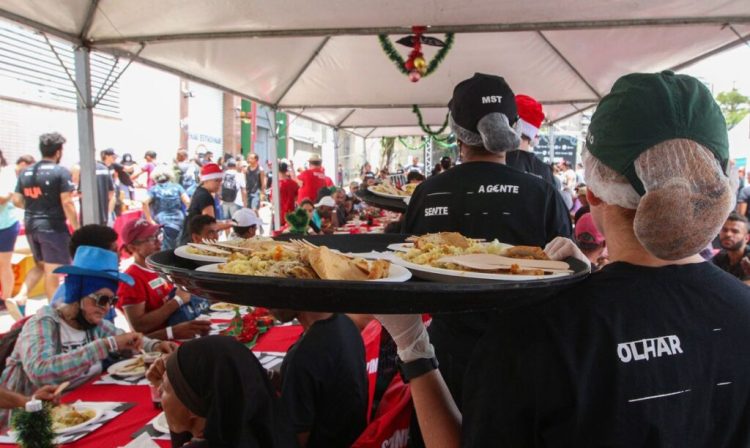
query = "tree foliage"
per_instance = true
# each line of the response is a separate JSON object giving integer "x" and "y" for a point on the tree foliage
{"x": 734, "y": 105}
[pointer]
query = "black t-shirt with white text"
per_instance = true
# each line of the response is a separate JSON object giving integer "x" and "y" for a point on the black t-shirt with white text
{"x": 528, "y": 162}
{"x": 631, "y": 357}
{"x": 488, "y": 200}
{"x": 41, "y": 185}
{"x": 481, "y": 200}
{"x": 324, "y": 383}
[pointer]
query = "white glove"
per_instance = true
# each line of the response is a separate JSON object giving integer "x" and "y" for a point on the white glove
{"x": 561, "y": 248}
{"x": 409, "y": 334}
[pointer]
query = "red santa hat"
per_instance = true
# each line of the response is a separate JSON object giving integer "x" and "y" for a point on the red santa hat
{"x": 530, "y": 116}
{"x": 211, "y": 171}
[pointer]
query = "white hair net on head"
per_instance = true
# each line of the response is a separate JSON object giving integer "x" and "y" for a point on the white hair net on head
{"x": 609, "y": 185}
{"x": 495, "y": 133}
{"x": 687, "y": 199}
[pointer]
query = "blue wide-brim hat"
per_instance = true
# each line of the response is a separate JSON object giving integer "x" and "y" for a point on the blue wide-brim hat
{"x": 93, "y": 261}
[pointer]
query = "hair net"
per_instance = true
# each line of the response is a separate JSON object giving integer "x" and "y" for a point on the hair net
{"x": 495, "y": 133}
{"x": 687, "y": 199}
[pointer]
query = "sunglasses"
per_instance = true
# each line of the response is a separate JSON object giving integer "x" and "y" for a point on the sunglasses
{"x": 102, "y": 300}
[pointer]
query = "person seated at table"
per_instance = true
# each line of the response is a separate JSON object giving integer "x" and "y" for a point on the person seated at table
{"x": 202, "y": 228}
{"x": 324, "y": 387}
{"x": 215, "y": 389}
{"x": 68, "y": 343}
{"x": 151, "y": 304}
{"x": 339, "y": 197}
{"x": 350, "y": 209}
{"x": 415, "y": 177}
{"x": 14, "y": 400}
{"x": 246, "y": 223}
{"x": 95, "y": 235}
{"x": 308, "y": 206}
{"x": 324, "y": 215}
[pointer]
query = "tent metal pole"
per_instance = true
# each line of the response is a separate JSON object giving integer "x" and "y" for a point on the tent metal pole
{"x": 275, "y": 200}
{"x": 336, "y": 145}
{"x": 89, "y": 20}
{"x": 117, "y": 78}
{"x": 569, "y": 64}
{"x": 736, "y": 33}
{"x": 40, "y": 26}
{"x": 369, "y": 133}
{"x": 346, "y": 117}
{"x": 468, "y": 28}
{"x": 106, "y": 80}
{"x": 89, "y": 193}
{"x": 708, "y": 54}
{"x": 302, "y": 70}
{"x": 65, "y": 68}
{"x": 410, "y": 105}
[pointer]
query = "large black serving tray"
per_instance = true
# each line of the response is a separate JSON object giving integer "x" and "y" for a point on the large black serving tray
{"x": 390, "y": 204}
{"x": 414, "y": 296}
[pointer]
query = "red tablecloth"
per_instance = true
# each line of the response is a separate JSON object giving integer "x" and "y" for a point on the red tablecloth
{"x": 118, "y": 432}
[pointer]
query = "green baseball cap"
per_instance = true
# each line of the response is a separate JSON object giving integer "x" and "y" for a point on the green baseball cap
{"x": 645, "y": 109}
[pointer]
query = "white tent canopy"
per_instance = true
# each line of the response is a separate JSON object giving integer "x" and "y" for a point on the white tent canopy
{"x": 322, "y": 59}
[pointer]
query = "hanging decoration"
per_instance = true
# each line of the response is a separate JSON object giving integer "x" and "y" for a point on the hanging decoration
{"x": 416, "y": 67}
{"x": 426, "y": 128}
{"x": 419, "y": 147}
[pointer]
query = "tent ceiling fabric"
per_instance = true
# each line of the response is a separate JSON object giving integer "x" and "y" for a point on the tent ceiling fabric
{"x": 325, "y": 62}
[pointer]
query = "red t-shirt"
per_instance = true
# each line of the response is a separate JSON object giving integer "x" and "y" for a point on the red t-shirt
{"x": 287, "y": 197}
{"x": 148, "y": 288}
{"x": 313, "y": 180}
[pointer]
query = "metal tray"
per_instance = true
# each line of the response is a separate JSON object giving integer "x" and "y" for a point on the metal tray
{"x": 390, "y": 204}
{"x": 413, "y": 296}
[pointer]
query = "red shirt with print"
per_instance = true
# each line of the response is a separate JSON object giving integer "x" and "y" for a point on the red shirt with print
{"x": 313, "y": 179}
{"x": 148, "y": 288}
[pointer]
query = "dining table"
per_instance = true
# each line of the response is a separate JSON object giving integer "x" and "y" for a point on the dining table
{"x": 121, "y": 430}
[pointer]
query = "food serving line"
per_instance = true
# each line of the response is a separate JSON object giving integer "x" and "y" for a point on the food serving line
{"x": 127, "y": 409}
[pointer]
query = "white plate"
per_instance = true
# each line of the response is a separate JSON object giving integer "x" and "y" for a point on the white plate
{"x": 182, "y": 252}
{"x": 388, "y": 195}
{"x": 396, "y": 273}
{"x": 74, "y": 428}
{"x": 406, "y": 247}
{"x": 160, "y": 424}
{"x": 115, "y": 368}
{"x": 220, "y": 307}
{"x": 452, "y": 276}
{"x": 401, "y": 247}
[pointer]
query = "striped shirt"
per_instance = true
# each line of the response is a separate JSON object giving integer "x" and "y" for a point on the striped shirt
{"x": 37, "y": 358}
